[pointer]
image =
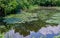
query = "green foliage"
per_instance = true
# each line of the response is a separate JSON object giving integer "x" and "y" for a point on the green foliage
{"x": 12, "y": 5}
{"x": 46, "y": 2}
{"x": 8, "y": 5}
{"x": 25, "y": 4}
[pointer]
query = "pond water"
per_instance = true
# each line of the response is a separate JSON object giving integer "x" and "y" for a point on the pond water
{"x": 44, "y": 32}
{"x": 34, "y": 29}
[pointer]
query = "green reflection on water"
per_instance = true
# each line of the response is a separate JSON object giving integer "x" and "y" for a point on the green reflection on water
{"x": 25, "y": 28}
{"x": 43, "y": 15}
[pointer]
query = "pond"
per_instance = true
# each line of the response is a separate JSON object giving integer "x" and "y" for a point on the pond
{"x": 30, "y": 25}
{"x": 34, "y": 29}
{"x": 44, "y": 32}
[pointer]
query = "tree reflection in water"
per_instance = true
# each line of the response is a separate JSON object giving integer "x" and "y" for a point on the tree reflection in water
{"x": 34, "y": 29}
{"x": 46, "y": 32}
{"x": 25, "y": 28}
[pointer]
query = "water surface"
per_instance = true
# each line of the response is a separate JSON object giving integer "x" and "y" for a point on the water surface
{"x": 44, "y": 32}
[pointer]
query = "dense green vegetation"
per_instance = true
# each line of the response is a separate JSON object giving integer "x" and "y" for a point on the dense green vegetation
{"x": 12, "y": 5}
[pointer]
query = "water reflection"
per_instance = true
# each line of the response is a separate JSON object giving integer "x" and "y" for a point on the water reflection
{"x": 25, "y": 28}
{"x": 44, "y": 32}
{"x": 34, "y": 29}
